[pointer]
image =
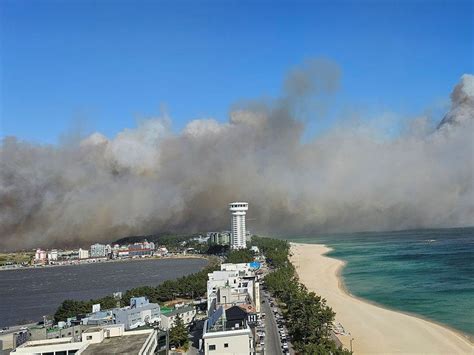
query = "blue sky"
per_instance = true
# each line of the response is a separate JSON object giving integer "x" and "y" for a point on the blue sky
{"x": 107, "y": 64}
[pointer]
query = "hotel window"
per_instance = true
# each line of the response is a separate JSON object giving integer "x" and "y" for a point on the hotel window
{"x": 212, "y": 347}
{"x": 226, "y": 345}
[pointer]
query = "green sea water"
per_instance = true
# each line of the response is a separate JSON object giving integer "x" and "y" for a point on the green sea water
{"x": 429, "y": 273}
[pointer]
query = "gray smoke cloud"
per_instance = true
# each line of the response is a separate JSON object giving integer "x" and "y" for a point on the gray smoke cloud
{"x": 145, "y": 180}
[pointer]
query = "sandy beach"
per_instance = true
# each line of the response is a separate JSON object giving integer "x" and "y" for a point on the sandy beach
{"x": 375, "y": 330}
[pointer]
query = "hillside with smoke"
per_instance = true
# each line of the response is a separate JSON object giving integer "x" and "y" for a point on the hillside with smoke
{"x": 146, "y": 180}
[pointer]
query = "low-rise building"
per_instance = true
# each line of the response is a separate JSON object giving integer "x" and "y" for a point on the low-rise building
{"x": 99, "y": 318}
{"x": 83, "y": 253}
{"x": 55, "y": 332}
{"x": 227, "y": 332}
{"x": 139, "y": 313}
{"x": 169, "y": 315}
{"x": 97, "y": 340}
{"x": 53, "y": 255}
{"x": 40, "y": 256}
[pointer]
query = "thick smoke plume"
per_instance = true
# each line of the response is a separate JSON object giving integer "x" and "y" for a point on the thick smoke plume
{"x": 146, "y": 180}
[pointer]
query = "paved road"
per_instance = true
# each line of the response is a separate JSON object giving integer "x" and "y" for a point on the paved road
{"x": 272, "y": 338}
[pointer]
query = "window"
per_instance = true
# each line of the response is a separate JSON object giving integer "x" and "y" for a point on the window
{"x": 89, "y": 337}
{"x": 212, "y": 347}
{"x": 226, "y": 345}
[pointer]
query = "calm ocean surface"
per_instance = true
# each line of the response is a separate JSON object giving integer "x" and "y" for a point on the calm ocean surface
{"x": 425, "y": 272}
{"x": 27, "y": 295}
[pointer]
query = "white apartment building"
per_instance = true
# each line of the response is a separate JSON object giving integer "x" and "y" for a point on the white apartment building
{"x": 238, "y": 231}
{"x": 53, "y": 255}
{"x": 227, "y": 332}
{"x": 139, "y": 313}
{"x": 98, "y": 250}
{"x": 83, "y": 253}
{"x": 40, "y": 255}
{"x": 186, "y": 313}
{"x": 234, "y": 284}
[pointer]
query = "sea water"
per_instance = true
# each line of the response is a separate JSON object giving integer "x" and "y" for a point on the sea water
{"x": 429, "y": 273}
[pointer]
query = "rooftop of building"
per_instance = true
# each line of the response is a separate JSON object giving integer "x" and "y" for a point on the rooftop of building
{"x": 103, "y": 327}
{"x": 235, "y": 319}
{"x": 127, "y": 344}
{"x": 47, "y": 342}
{"x": 169, "y": 312}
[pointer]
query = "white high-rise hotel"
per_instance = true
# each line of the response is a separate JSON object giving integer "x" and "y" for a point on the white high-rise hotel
{"x": 238, "y": 232}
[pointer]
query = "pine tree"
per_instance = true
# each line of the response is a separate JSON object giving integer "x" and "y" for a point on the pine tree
{"x": 179, "y": 333}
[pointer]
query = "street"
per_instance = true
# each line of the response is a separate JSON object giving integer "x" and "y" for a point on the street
{"x": 272, "y": 338}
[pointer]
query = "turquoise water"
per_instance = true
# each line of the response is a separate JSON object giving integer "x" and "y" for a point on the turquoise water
{"x": 425, "y": 272}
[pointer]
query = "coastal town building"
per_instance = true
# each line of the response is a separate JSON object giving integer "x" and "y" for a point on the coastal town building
{"x": 169, "y": 316}
{"x": 52, "y": 255}
{"x": 227, "y": 332}
{"x": 40, "y": 256}
{"x": 219, "y": 238}
{"x": 238, "y": 232}
{"x": 97, "y": 250}
{"x": 200, "y": 239}
{"x": 99, "y": 318}
{"x": 57, "y": 331}
{"x": 139, "y": 313}
{"x": 83, "y": 253}
{"x": 234, "y": 284}
{"x": 96, "y": 340}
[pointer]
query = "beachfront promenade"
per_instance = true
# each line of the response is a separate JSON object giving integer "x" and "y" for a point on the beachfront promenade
{"x": 375, "y": 330}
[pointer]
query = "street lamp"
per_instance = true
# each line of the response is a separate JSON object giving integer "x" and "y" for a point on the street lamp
{"x": 351, "y": 343}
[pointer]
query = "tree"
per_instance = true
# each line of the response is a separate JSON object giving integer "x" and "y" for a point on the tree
{"x": 179, "y": 334}
{"x": 240, "y": 256}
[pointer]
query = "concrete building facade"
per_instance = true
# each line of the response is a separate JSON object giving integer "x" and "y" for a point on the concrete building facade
{"x": 238, "y": 230}
{"x": 98, "y": 250}
{"x": 83, "y": 253}
{"x": 168, "y": 318}
{"x": 97, "y": 340}
{"x": 139, "y": 313}
{"x": 227, "y": 332}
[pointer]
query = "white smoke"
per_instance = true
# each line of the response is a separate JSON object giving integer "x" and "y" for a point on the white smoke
{"x": 147, "y": 180}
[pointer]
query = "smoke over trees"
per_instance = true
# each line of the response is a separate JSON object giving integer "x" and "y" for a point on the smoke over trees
{"x": 351, "y": 178}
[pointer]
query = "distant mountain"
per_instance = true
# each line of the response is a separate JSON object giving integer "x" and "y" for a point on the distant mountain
{"x": 462, "y": 103}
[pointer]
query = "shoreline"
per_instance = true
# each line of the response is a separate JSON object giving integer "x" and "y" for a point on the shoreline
{"x": 364, "y": 341}
{"x": 344, "y": 289}
{"x": 102, "y": 261}
{"x": 40, "y": 302}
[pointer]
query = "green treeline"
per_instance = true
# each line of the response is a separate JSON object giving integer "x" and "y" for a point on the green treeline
{"x": 240, "y": 256}
{"x": 309, "y": 319}
{"x": 190, "y": 286}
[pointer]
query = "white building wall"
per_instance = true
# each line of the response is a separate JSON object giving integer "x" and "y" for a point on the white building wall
{"x": 228, "y": 342}
{"x": 238, "y": 229}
